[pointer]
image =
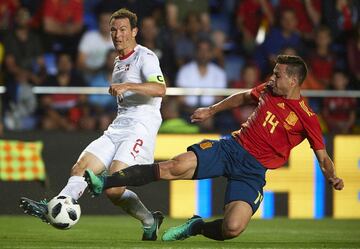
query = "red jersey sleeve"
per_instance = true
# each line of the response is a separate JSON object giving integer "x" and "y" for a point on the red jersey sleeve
{"x": 313, "y": 133}
{"x": 311, "y": 126}
{"x": 257, "y": 91}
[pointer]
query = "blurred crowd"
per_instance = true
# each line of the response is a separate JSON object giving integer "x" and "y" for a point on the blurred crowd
{"x": 200, "y": 43}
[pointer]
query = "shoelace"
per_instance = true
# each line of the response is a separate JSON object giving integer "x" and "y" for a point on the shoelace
{"x": 43, "y": 201}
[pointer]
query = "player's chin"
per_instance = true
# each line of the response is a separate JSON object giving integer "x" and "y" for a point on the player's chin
{"x": 119, "y": 47}
{"x": 278, "y": 92}
{"x": 275, "y": 91}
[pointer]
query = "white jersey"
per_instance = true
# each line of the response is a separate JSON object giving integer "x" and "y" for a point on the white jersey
{"x": 141, "y": 66}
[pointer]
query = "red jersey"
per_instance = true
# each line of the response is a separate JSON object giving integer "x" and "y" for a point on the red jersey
{"x": 305, "y": 24}
{"x": 64, "y": 11}
{"x": 322, "y": 67}
{"x": 276, "y": 126}
{"x": 252, "y": 15}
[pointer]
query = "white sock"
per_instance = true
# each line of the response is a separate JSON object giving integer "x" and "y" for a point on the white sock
{"x": 132, "y": 205}
{"x": 75, "y": 187}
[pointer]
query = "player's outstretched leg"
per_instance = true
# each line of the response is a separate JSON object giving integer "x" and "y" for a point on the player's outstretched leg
{"x": 34, "y": 208}
{"x": 152, "y": 232}
{"x": 95, "y": 183}
{"x": 183, "y": 231}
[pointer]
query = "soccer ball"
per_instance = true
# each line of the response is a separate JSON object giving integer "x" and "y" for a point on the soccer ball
{"x": 63, "y": 212}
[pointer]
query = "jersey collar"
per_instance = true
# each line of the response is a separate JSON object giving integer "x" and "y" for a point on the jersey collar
{"x": 127, "y": 55}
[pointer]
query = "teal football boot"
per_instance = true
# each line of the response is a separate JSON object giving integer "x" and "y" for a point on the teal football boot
{"x": 183, "y": 231}
{"x": 34, "y": 208}
{"x": 95, "y": 183}
{"x": 152, "y": 232}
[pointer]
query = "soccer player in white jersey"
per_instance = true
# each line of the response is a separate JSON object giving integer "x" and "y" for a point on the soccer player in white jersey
{"x": 138, "y": 85}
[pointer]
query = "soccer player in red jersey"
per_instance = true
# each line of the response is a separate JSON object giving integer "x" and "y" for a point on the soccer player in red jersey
{"x": 280, "y": 122}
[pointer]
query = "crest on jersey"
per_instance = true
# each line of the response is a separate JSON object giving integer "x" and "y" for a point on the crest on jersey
{"x": 124, "y": 68}
{"x": 292, "y": 119}
{"x": 287, "y": 127}
{"x": 205, "y": 145}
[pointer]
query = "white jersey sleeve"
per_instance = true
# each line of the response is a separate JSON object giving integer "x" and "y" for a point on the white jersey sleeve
{"x": 150, "y": 67}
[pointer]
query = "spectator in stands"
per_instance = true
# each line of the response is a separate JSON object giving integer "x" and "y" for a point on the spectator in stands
{"x": 61, "y": 111}
{"x": 63, "y": 24}
{"x": 8, "y": 8}
{"x": 172, "y": 16}
{"x": 94, "y": 46}
{"x": 103, "y": 106}
{"x": 250, "y": 77}
{"x": 185, "y": 44}
{"x": 149, "y": 34}
{"x": 218, "y": 38}
{"x": 20, "y": 105}
{"x": 23, "y": 52}
{"x": 201, "y": 73}
{"x": 353, "y": 55}
{"x": 250, "y": 14}
{"x": 308, "y": 14}
{"x": 286, "y": 35}
{"x": 339, "y": 112}
{"x": 140, "y": 7}
{"x": 149, "y": 37}
{"x": 35, "y": 8}
{"x": 322, "y": 60}
{"x": 169, "y": 34}
{"x": 341, "y": 16}
{"x": 184, "y": 8}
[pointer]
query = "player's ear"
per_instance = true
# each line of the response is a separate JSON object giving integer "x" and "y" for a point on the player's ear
{"x": 294, "y": 81}
{"x": 134, "y": 32}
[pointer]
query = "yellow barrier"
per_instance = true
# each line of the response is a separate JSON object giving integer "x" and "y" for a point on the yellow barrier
{"x": 347, "y": 163}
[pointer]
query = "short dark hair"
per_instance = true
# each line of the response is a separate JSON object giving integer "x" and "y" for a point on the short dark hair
{"x": 202, "y": 40}
{"x": 296, "y": 66}
{"x": 125, "y": 13}
{"x": 323, "y": 28}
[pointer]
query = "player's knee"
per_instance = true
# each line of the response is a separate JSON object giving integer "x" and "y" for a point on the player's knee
{"x": 232, "y": 229}
{"x": 79, "y": 168}
{"x": 114, "y": 194}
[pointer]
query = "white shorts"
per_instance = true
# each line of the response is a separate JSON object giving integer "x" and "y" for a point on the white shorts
{"x": 130, "y": 146}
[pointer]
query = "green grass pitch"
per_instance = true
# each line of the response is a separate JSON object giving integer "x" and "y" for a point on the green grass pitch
{"x": 124, "y": 232}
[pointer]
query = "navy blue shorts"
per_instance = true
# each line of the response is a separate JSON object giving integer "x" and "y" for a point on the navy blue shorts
{"x": 226, "y": 157}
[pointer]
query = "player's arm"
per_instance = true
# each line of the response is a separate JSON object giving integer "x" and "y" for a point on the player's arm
{"x": 153, "y": 89}
{"x": 328, "y": 169}
{"x": 230, "y": 102}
